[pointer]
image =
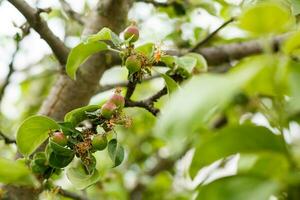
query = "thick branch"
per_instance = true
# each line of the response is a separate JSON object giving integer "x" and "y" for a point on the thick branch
{"x": 39, "y": 25}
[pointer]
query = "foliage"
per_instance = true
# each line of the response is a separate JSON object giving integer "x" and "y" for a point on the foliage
{"x": 160, "y": 150}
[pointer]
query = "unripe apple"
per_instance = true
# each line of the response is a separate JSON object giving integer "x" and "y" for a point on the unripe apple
{"x": 99, "y": 142}
{"x": 131, "y": 32}
{"x": 108, "y": 109}
{"x": 133, "y": 64}
{"x": 59, "y": 138}
{"x": 118, "y": 100}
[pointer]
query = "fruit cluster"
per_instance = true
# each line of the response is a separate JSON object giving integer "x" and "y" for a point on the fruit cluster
{"x": 69, "y": 142}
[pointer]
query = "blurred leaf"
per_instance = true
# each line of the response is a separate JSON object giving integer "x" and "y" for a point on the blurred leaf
{"x": 103, "y": 35}
{"x": 233, "y": 140}
{"x": 238, "y": 188}
{"x": 170, "y": 83}
{"x": 296, "y": 6}
{"x": 16, "y": 173}
{"x": 170, "y": 61}
{"x": 292, "y": 44}
{"x": 293, "y": 105}
{"x": 116, "y": 152}
{"x": 146, "y": 49}
{"x": 80, "y": 54}
{"x": 263, "y": 164}
{"x": 266, "y": 17}
{"x": 186, "y": 64}
{"x": 33, "y": 132}
{"x": 198, "y": 100}
{"x": 78, "y": 115}
{"x": 80, "y": 179}
{"x": 201, "y": 64}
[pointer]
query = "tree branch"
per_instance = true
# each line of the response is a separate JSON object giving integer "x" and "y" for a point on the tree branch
{"x": 6, "y": 139}
{"x": 10, "y": 70}
{"x": 71, "y": 195}
{"x": 39, "y": 25}
{"x": 70, "y": 12}
{"x": 211, "y": 35}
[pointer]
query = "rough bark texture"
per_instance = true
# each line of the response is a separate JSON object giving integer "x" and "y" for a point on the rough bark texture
{"x": 68, "y": 94}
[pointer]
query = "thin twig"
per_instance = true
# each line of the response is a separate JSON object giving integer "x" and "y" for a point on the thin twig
{"x": 71, "y": 195}
{"x": 39, "y": 25}
{"x": 148, "y": 103}
{"x": 6, "y": 139}
{"x": 155, "y": 3}
{"x": 211, "y": 35}
{"x": 70, "y": 12}
{"x": 130, "y": 89}
{"x": 10, "y": 70}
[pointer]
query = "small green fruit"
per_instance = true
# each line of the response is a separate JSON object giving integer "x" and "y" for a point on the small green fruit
{"x": 99, "y": 142}
{"x": 118, "y": 100}
{"x": 108, "y": 109}
{"x": 133, "y": 64}
{"x": 131, "y": 31}
{"x": 59, "y": 138}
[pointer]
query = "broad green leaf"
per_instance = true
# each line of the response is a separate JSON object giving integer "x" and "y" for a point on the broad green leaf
{"x": 170, "y": 61}
{"x": 33, "y": 132}
{"x": 292, "y": 44}
{"x": 115, "y": 152}
{"x": 103, "y": 35}
{"x": 233, "y": 140}
{"x": 296, "y": 7}
{"x": 262, "y": 164}
{"x": 80, "y": 179}
{"x": 146, "y": 49}
{"x": 59, "y": 161}
{"x": 266, "y": 17}
{"x": 60, "y": 150}
{"x": 171, "y": 84}
{"x": 16, "y": 173}
{"x": 198, "y": 100}
{"x": 80, "y": 54}
{"x": 186, "y": 65}
{"x": 293, "y": 105}
{"x": 78, "y": 115}
{"x": 238, "y": 188}
{"x": 201, "y": 64}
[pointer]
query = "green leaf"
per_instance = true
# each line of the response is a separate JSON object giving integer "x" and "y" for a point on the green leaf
{"x": 33, "y": 132}
{"x": 146, "y": 49}
{"x": 60, "y": 150}
{"x": 233, "y": 140}
{"x": 262, "y": 164}
{"x": 80, "y": 179}
{"x": 80, "y": 54}
{"x": 78, "y": 115}
{"x": 171, "y": 83}
{"x": 68, "y": 129}
{"x": 296, "y": 7}
{"x": 103, "y": 35}
{"x": 292, "y": 44}
{"x": 198, "y": 100}
{"x": 59, "y": 161}
{"x": 170, "y": 61}
{"x": 115, "y": 152}
{"x": 201, "y": 64}
{"x": 186, "y": 65}
{"x": 266, "y": 17}
{"x": 16, "y": 173}
{"x": 293, "y": 105}
{"x": 238, "y": 188}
